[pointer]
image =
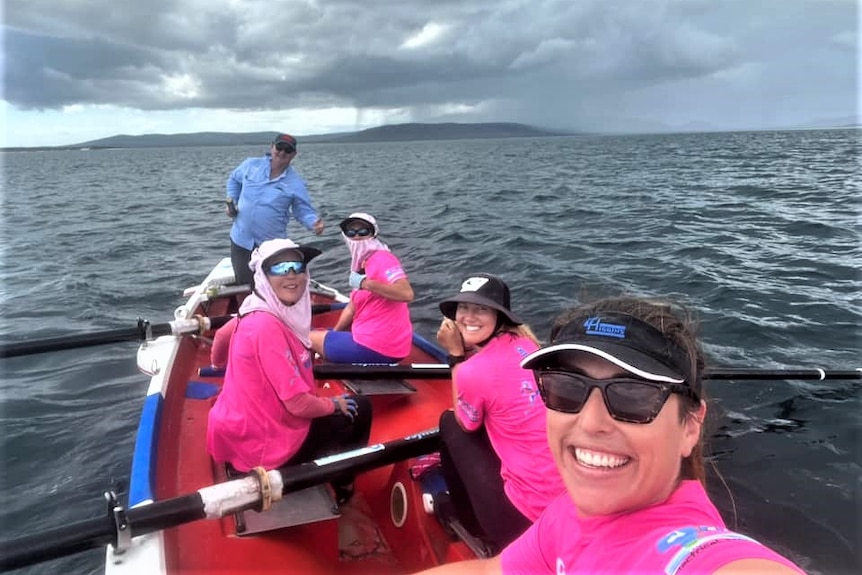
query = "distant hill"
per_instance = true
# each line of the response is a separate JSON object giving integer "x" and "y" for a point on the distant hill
{"x": 180, "y": 140}
{"x": 393, "y": 133}
{"x": 196, "y": 139}
{"x": 401, "y": 133}
{"x": 833, "y": 122}
{"x": 449, "y": 131}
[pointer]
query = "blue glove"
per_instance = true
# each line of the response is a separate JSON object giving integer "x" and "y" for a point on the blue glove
{"x": 352, "y": 406}
{"x": 356, "y": 280}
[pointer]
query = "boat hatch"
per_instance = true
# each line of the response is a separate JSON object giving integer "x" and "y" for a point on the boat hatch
{"x": 379, "y": 386}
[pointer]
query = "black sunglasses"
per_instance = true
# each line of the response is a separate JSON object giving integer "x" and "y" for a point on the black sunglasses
{"x": 285, "y": 147}
{"x": 627, "y": 399}
{"x": 361, "y": 232}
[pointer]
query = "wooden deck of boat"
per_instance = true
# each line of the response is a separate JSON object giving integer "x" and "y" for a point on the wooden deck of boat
{"x": 361, "y": 541}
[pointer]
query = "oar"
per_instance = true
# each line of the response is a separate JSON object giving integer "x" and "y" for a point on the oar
{"x": 141, "y": 332}
{"x": 210, "y": 502}
{"x": 813, "y": 373}
{"x": 382, "y": 371}
{"x": 325, "y": 307}
{"x": 222, "y": 291}
{"x": 364, "y": 371}
{"x": 442, "y": 371}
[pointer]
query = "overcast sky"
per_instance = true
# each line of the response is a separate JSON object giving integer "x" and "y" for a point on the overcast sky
{"x": 77, "y": 71}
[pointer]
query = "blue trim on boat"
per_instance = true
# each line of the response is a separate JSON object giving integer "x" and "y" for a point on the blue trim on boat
{"x": 146, "y": 444}
{"x": 201, "y": 390}
{"x": 430, "y": 348}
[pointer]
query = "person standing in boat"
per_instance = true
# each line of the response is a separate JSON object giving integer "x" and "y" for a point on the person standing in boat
{"x": 493, "y": 443}
{"x": 263, "y": 193}
{"x": 268, "y": 412}
{"x": 375, "y": 326}
{"x": 622, "y": 380}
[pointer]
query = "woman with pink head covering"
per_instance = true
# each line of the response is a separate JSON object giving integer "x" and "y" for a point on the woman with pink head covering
{"x": 375, "y": 326}
{"x": 268, "y": 412}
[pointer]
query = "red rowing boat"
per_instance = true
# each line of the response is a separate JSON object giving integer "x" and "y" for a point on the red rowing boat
{"x": 387, "y": 527}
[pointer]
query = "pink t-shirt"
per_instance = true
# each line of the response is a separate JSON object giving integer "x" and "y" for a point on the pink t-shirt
{"x": 495, "y": 392}
{"x": 248, "y": 425}
{"x": 379, "y": 323}
{"x": 682, "y": 536}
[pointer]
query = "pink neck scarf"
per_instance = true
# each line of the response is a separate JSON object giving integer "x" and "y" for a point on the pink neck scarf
{"x": 360, "y": 250}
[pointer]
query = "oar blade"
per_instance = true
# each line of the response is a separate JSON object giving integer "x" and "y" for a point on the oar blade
{"x": 141, "y": 332}
{"x": 30, "y": 347}
{"x": 68, "y": 540}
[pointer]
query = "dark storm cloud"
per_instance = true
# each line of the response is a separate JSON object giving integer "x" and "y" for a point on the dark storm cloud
{"x": 45, "y": 72}
{"x": 511, "y": 55}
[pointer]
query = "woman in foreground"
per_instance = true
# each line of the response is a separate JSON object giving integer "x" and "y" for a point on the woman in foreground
{"x": 622, "y": 380}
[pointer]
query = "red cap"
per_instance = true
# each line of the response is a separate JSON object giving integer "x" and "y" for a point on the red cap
{"x": 284, "y": 138}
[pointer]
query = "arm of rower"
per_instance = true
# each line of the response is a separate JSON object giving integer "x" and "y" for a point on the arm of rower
{"x": 345, "y": 320}
{"x": 755, "y": 567}
{"x": 490, "y": 566}
{"x": 398, "y": 291}
{"x": 309, "y": 406}
{"x": 455, "y": 397}
{"x": 455, "y": 402}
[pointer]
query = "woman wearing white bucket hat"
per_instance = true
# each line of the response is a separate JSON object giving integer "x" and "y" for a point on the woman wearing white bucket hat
{"x": 375, "y": 326}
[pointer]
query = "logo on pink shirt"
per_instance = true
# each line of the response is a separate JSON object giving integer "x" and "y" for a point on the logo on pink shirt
{"x": 529, "y": 389}
{"x": 689, "y": 541}
{"x": 305, "y": 358}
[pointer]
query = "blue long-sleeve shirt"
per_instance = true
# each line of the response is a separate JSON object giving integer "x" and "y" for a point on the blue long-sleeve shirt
{"x": 265, "y": 206}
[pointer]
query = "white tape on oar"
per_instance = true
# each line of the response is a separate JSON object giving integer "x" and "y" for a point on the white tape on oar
{"x": 224, "y": 498}
{"x": 821, "y": 372}
{"x": 429, "y": 366}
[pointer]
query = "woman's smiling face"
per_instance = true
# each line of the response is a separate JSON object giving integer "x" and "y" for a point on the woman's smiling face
{"x": 476, "y": 322}
{"x": 288, "y": 288}
{"x": 609, "y": 466}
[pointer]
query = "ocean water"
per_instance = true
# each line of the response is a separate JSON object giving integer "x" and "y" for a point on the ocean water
{"x": 759, "y": 233}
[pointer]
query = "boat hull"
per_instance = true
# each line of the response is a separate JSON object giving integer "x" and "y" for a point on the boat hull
{"x": 385, "y": 528}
